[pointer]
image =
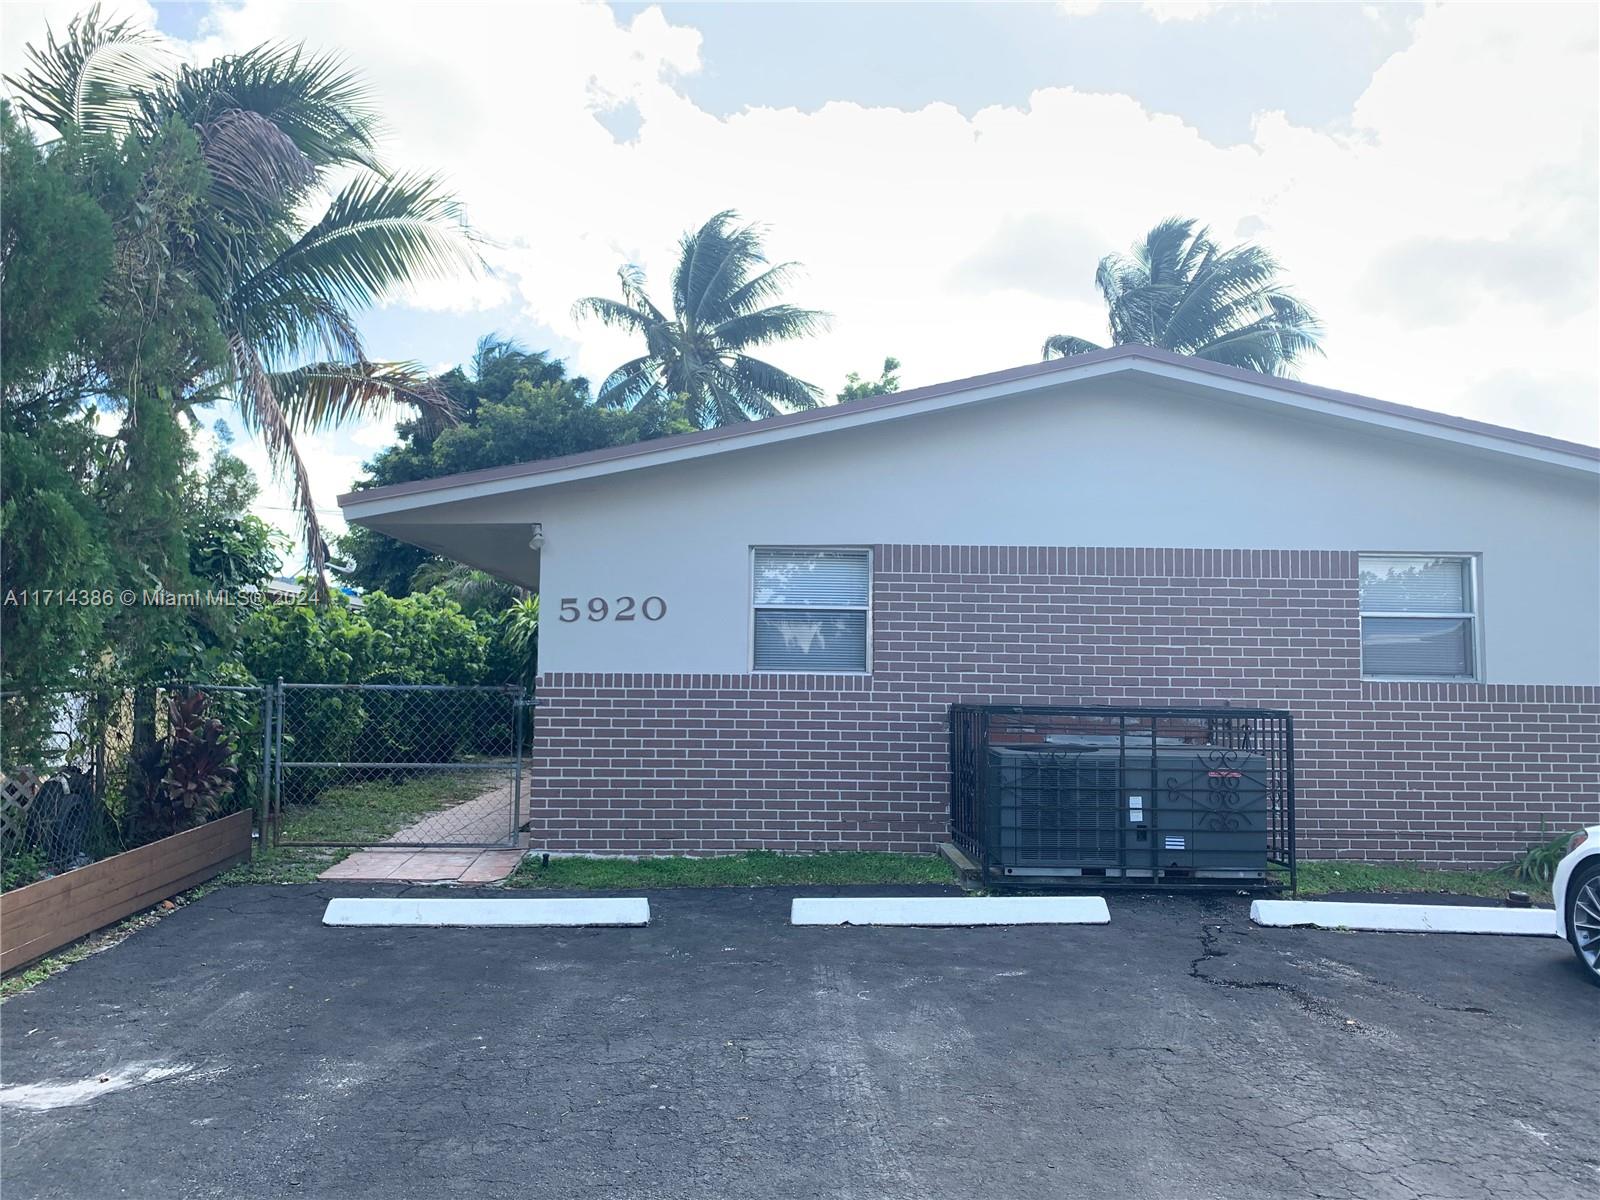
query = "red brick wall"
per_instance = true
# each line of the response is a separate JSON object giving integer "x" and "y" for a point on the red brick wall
{"x": 693, "y": 764}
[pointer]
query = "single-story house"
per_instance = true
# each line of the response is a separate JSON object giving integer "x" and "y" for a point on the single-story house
{"x": 752, "y": 635}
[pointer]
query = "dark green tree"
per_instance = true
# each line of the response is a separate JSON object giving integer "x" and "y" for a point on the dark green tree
{"x": 722, "y": 306}
{"x": 515, "y": 405}
{"x": 55, "y": 253}
{"x": 87, "y": 510}
{"x": 857, "y": 388}
{"x": 1179, "y": 291}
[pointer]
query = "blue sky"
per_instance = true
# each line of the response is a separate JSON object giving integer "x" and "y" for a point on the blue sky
{"x": 950, "y": 174}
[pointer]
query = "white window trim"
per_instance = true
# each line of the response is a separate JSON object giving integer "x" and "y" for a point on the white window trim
{"x": 1475, "y": 617}
{"x": 751, "y": 606}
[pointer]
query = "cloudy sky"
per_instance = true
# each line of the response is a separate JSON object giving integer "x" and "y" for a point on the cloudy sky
{"x": 950, "y": 174}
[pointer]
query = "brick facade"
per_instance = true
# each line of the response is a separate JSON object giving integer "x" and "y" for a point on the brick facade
{"x": 692, "y": 764}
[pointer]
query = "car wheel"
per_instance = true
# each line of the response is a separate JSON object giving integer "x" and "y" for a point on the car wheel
{"x": 1583, "y": 917}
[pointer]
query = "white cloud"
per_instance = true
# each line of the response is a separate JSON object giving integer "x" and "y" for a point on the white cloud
{"x": 1180, "y": 10}
{"x": 1161, "y": 10}
{"x": 1479, "y": 137}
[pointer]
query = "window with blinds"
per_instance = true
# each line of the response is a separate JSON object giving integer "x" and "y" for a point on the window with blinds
{"x": 811, "y": 610}
{"x": 1418, "y": 617}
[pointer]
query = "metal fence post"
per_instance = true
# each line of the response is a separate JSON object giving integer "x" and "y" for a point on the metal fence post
{"x": 277, "y": 766}
{"x": 518, "y": 709}
{"x": 264, "y": 800}
{"x": 1294, "y": 856}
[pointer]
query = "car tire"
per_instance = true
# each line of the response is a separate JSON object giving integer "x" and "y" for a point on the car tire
{"x": 1583, "y": 906}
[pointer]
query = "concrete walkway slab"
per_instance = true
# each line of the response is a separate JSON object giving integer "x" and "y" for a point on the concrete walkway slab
{"x": 424, "y": 866}
{"x": 485, "y": 818}
{"x": 1404, "y": 918}
{"x": 402, "y": 910}
{"x": 942, "y": 911}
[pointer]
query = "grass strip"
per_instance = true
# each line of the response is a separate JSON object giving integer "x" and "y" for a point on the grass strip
{"x": 754, "y": 868}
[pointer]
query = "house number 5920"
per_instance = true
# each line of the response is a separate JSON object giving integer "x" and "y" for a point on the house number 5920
{"x": 651, "y": 608}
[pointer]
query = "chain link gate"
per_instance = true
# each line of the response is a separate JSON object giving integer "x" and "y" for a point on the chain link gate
{"x": 412, "y": 766}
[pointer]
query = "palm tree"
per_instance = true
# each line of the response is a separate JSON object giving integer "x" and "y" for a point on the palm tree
{"x": 274, "y": 125}
{"x": 720, "y": 291}
{"x": 1180, "y": 292}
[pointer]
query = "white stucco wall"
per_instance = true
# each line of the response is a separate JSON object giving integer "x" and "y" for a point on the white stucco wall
{"x": 1112, "y": 466}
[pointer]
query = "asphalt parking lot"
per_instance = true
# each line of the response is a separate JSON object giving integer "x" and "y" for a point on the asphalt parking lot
{"x": 239, "y": 1048}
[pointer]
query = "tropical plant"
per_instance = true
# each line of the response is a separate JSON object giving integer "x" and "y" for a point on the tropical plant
{"x": 857, "y": 388}
{"x": 1179, "y": 291}
{"x": 721, "y": 291}
{"x": 519, "y": 631}
{"x": 274, "y": 127}
{"x": 184, "y": 778}
{"x": 1537, "y": 864}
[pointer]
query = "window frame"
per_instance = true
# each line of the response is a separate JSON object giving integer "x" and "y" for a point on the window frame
{"x": 751, "y": 607}
{"x": 1473, "y": 617}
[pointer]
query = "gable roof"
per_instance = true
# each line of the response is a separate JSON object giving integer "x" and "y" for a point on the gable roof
{"x": 1098, "y": 364}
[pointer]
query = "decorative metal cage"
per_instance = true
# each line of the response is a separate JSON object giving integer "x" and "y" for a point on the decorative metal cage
{"x": 1124, "y": 796}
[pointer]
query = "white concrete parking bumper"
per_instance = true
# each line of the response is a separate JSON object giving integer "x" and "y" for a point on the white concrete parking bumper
{"x": 950, "y": 910}
{"x": 488, "y": 913}
{"x": 1405, "y": 918}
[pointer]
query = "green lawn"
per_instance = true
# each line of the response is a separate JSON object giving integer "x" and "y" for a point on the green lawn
{"x": 755, "y": 868}
{"x": 1321, "y": 877}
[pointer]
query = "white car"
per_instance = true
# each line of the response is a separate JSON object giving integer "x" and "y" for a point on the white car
{"x": 1576, "y": 890}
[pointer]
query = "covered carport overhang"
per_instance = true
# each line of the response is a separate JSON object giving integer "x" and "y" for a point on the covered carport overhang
{"x": 501, "y": 548}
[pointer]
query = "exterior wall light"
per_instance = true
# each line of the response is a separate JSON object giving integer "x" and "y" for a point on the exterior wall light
{"x": 536, "y": 539}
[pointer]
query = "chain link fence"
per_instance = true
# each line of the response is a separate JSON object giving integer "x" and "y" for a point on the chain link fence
{"x": 402, "y": 765}
{"x": 90, "y": 773}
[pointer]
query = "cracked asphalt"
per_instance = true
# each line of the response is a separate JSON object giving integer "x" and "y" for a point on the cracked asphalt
{"x": 1178, "y": 1052}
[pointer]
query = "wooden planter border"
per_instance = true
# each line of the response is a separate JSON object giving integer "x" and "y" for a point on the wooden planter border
{"x": 43, "y": 916}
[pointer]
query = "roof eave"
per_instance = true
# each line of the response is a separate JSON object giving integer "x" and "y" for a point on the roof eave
{"x": 374, "y": 502}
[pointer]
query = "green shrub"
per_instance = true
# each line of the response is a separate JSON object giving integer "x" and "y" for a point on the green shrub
{"x": 418, "y": 639}
{"x": 21, "y": 868}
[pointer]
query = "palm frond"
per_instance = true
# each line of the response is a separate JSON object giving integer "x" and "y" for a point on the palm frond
{"x": 261, "y": 413}
{"x": 712, "y": 261}
{"x": 1064, "y": 345}
{"x": 314, "y": 99}
{"x": 491, "y": 348}
{"x": 634, "y": 382}
{"x": 761, "y": 388}
{"x": 1164, "y": 248}
{"x": 772, "y": 324}
{"x": 753, "y": 292}
{"x": 377, "y": 234}
{"x": 92, "y": 79}
{"x": 737, "y": 258}
{"x": 613, "y": 313}
{"x": 256, "y": 169}
{"x": 287, "y": 325}
{"x": 319, "y": 396}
